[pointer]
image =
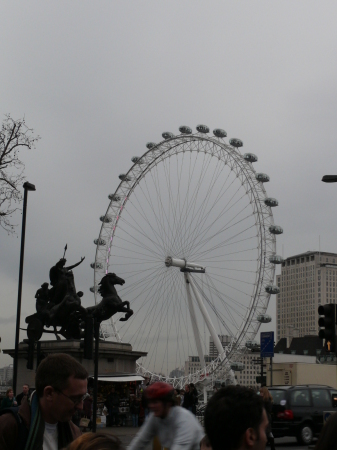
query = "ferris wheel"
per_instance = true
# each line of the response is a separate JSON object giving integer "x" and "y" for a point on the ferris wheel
{"x": 190, "y": 229}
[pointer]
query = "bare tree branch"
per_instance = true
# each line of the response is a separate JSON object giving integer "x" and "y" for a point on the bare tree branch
{"x": 14, "y": 135}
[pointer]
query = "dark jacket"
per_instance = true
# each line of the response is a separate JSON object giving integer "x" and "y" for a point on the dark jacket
{"x": 190, "y": 399}
{"x": 7, "y": 403}
{"x": 9, "y": 428}
{"x": 20, "y": 397}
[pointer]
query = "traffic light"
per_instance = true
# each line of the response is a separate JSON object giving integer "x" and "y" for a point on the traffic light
{"x": 328, "y": 326}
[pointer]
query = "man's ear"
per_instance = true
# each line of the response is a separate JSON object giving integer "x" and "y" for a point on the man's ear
{"x": 48, "y": 393}
{"x": 250, "y": 437}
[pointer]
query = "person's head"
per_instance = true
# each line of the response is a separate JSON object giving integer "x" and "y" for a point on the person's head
{"x": 187, "y": 388}
{"x": 96, "y": 441}
{"x": 10, "y": 393}
{"x": 160, "y": 398}
{"x": 235, "y": 416}
{"x": 327, "y": 439}
{"x": 191, "y": 387}
{"x": 265, "y": 394}
{"x": 25, "y": 389}
{"x": 61, "y": 383}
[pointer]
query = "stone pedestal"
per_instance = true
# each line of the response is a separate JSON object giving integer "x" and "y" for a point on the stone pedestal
{"x": 114, "y": 358}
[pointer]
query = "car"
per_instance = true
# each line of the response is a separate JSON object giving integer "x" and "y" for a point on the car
{"x": 298, "y": 410}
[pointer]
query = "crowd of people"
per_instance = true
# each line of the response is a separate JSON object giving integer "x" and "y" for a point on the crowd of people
{"x": 235, "y": 418}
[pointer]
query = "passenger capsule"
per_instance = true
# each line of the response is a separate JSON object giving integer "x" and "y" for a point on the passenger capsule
{"x": 250, "y": 157}
{"x": 167, "y": 135}
{"x": 96, "y": 265}
{"x": 114, "y": 197}
{"x": 236, "y": 142}
{"x": 185, "y": 130}
{"x": 271, "y": 202}
{"x": 263, "y": 318}
{"x": 105, "y": 219}
{"x": 237, "y": 366}
{"x": 150, "y": 145}
{"x": 99, "y": 242}
{"x": 137, "y": 160}
{"x": 276, "y": 259}
{"x": 252, "y": 344}
{"x": 262, "y": 177}
{"x": 218, "y": 132}
{"x": 275, "y": 229}
{"x": 93, "y": 289}
{"x": 124, "y": 177}
{"x": 202, "y": 128}
{"x": 272, "y": 289}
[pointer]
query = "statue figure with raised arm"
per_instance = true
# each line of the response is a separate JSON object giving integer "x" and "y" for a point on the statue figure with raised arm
{"x": 62, "y": 280}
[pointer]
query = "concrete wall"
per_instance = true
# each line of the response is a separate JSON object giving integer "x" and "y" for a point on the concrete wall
{"x": 301, "y": 373}
{"x": 113, "y": 358}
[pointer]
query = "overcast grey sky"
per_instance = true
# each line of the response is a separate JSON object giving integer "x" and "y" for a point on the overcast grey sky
{"x": 97, "y": 80}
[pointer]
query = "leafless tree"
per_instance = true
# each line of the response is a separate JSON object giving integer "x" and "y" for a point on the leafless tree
{"x": 13, "y": 136}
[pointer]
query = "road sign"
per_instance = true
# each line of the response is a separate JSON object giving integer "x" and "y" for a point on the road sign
{"x": 267, "y": 344}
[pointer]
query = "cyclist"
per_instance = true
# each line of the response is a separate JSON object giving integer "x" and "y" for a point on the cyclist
{"x": 175, "y": 427}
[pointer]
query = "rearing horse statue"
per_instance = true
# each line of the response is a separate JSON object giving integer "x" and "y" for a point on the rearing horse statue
{"x": 111, "y": 302}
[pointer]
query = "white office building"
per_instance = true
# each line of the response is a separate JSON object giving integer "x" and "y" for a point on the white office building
{"x": 306, "y": 281}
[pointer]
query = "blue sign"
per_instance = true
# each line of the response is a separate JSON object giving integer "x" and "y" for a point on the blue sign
{"x": 267, "y": 344}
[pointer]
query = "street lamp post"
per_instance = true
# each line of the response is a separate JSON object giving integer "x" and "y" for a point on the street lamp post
{"x": 27, "y": 187}
{"x": 329, "y": 178}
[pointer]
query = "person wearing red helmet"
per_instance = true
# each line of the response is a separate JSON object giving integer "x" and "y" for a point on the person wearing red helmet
{"x": 176, "y": 428}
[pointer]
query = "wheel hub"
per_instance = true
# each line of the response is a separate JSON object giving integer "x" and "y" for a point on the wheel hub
{"x": 182, "y": 263}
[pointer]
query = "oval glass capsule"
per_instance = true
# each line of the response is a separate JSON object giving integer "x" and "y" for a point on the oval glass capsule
{"x": 105, "y": 219}
{"x": 237, "y": 366}
{"x": 272, "y": 202}
{"x": 262, "y": 177}
{"x": 275, "y": 229}
{"x": 99, "y": 242}
{"x": 114, "y": 197}
{"x": 167, "y": 135}
{"x": 185, "y": 129}
{"x": 276, "y": 259}
{"x": 236, "y": 142}
{"x": 124, "y": 177}
{"x": 272, "y": 289}
{"x": 96, "y": 265}
{"x": 250, "y": 157}
{"x": 202, "y": 129}
{"x": 218, "y": 132}
{"x": 263, "y": 318}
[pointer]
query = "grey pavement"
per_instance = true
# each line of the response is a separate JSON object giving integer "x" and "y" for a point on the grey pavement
{"x": 126, "y": 434}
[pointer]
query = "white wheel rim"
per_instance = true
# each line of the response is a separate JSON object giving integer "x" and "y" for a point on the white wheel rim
{"x": 150, "y": 221}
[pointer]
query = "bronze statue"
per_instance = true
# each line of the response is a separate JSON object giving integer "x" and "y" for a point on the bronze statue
{"x": 42, "y": 297}
{"x": 60, "y": 306}
{"x": 111, "y": 302}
